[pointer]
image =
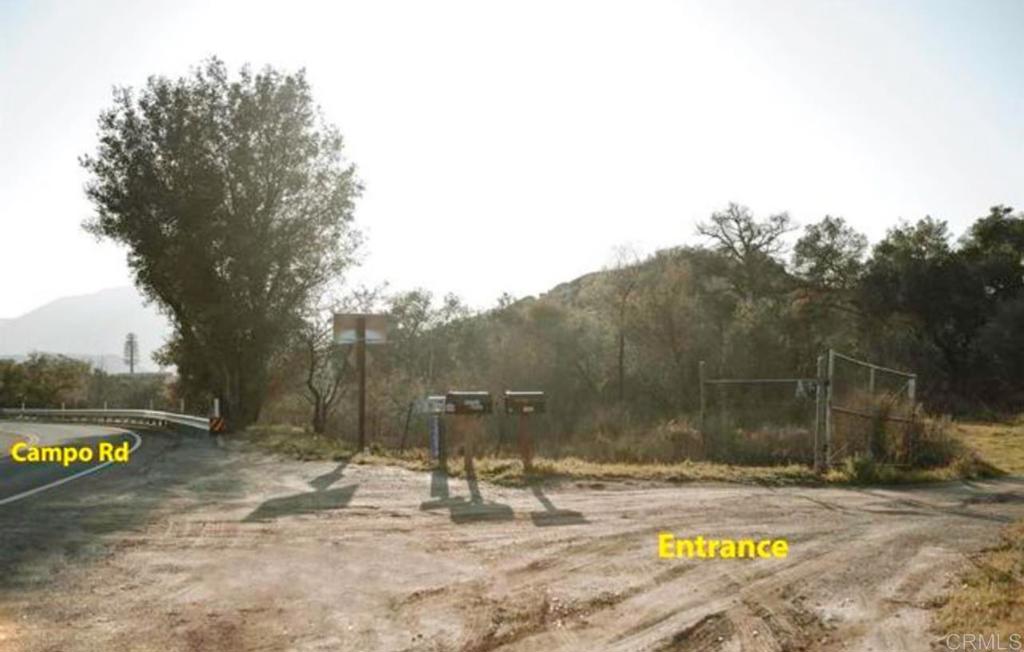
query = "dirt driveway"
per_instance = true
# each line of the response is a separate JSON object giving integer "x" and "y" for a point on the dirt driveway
{"x": 196, "y": 547}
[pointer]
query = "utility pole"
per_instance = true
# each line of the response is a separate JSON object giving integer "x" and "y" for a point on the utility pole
{"x": 131, "y": 351}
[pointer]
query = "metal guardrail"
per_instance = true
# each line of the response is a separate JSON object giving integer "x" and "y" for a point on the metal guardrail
{"x": 147, "y": 417}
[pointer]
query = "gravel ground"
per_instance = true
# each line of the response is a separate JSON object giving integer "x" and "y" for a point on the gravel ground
{"x": 206, "y": 547}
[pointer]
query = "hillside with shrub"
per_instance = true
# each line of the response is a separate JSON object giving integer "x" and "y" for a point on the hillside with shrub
{"x": 618, "y": 350}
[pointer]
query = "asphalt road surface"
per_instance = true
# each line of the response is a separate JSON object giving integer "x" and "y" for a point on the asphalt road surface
{"x": 204, "y": 546}
{"x": 20, "y": 481}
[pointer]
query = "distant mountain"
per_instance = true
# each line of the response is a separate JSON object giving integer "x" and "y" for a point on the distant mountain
{"x": 90, "y": 327}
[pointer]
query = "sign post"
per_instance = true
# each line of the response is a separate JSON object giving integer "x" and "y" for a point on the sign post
{"x": 360, "y": 329}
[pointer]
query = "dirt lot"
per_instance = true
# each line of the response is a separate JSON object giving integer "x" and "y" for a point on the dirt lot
{"x": 195, "y": 547}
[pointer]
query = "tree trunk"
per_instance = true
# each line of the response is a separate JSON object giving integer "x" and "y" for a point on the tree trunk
{"x": 242, "y": 398}
{"x": 319, "y": 416}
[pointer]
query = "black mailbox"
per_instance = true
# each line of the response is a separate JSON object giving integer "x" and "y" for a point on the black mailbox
{"x": 468, "y": 403}
{"x": 524, "y": 402}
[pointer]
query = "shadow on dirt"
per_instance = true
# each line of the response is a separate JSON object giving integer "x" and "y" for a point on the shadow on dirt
{"x": 552, "y": 516}
{"x": 322, "y": 498}
{"x": 307, "y": 503}
{"x": 327, "y": 479}
{"x": 461, "y": 510}
{"x": 67, "y": 526}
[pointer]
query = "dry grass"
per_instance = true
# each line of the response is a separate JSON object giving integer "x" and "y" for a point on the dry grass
{"x": 861, "y": 470}
{"x": 990, "y": 597}
{"x": 1001, "y": 444}
{"x": 299, "y": 444}
{"x": 296, "y": 443}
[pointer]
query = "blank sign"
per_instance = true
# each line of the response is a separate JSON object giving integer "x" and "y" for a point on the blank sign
{"x": 346, "y": 326}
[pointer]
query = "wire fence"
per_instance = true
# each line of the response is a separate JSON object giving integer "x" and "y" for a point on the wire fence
{"x": 871, "y": 411}
{"x": 850, "y": 408}
{"x": 759, "y": 420}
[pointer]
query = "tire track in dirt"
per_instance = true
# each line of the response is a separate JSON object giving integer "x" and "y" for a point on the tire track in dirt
{"x": 195, "y": 570}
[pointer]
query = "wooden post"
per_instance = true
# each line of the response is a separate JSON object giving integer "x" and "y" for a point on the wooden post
{"x": 871, "y": 382}
{"x": 442, "y": 443}
{"x": 819, "y": 413}
{"x": 361, "y": 364}
{"x": 405, "y": 431}
{"x": 465, "y": 428}
{"x": 501, "y": 437}
{"x": 525, "y": 443}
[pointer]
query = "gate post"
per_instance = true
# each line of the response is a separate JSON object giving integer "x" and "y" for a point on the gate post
{"x": 819, "y": 413}
{"x": 703, "y": 431}
{"x": 827, "y": 453}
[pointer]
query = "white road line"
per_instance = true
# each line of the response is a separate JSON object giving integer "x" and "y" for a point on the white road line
{"x": 57, "y": 483}
{"x": 33, "y": 440}
{"x": 27, "y": 435}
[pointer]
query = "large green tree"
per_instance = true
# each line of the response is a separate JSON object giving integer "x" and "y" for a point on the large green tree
{"x": 235, "y": 204}
{"x": 923, "y": 303}
{"x": 43, "y": 381}
{"x": 829, "y": 256}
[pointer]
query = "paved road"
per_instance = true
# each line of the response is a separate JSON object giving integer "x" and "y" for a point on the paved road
{"x": 21, "y": 481}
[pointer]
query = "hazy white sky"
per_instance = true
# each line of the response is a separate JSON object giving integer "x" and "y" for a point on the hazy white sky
{"x": 510, "y": 146}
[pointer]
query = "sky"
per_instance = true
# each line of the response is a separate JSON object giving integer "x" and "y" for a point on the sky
{"x": 511, "y": 146}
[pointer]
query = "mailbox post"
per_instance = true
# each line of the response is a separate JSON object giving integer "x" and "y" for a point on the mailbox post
{"x": 435, "y": 408}
{"x": 465, "y": 408}
{"x": 524, "y": 404}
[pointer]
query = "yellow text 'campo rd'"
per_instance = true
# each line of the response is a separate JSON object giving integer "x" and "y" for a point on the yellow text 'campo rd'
{"x": 103, "y": 451}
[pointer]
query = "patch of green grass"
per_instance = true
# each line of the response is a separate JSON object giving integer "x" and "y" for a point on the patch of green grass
{"x": 1000, "y": 444}
{"x": 297, "y": 443}
{"x": 990, "y": 595}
